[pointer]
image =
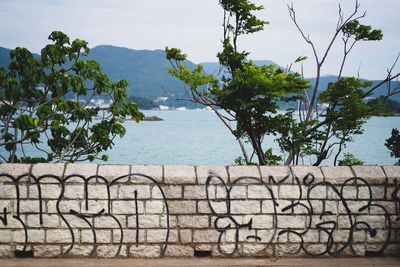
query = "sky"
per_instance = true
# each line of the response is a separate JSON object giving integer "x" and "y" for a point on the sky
{"x": 195, "y": 27}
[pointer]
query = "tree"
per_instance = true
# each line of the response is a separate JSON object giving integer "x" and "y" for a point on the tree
{"x": 248, "y": 95}
{"x": 47, "y": 112}
{"x": 350, "y": 160}
{"x": 393, "y": 144}
{"x": 347, "y": 109}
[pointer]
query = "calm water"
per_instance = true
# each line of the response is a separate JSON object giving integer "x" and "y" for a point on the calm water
{"x": 197, "y": 137}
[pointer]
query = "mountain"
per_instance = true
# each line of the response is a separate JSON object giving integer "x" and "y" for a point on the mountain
{"x": 4, "y": 57}
{"x": 380, "y": 91}
{"x": 145, "y": 71}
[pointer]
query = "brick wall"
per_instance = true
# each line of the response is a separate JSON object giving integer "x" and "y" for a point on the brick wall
{"x": 88, "y": 210}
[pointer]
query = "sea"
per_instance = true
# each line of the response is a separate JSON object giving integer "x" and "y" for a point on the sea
{"x": 197, "y": 137}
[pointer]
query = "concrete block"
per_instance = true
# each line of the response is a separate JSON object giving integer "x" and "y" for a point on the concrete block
{"x": 205, "y": 236}
{"x": 97, "y": 191}
{"x": 194, "y": 192}
{"x": 153, "y": 171}
{"x": 40, "y": 169}
{"x": 49, "y": 191}
{"x": 111, "y": 172}
{"x": 84, "y": 169}
{"x": 159, "y": 236}
{"x": 245, "y": 207}
{"x": 193, "y": 221}
{"x": 377, "y": 192}
{"x": 237, "y": 192}
{"x": 259, "y": 221}
{"x": 277, "y": 172}
{"x": 236, "y": 172}
{"x": 8, "y": 191}
{"x": 129, "y": 236}
{"x": 289, "y": 192}
{"x": 127, "y": 207}
{"x": 59, "y": 236}
{"x": 81, "y": 250}
{"x": 14, "y": 169}
{"x": 6, "y": 251}
{"x": 185, "y": 236}
{"x": 49, "y": 221}
{"x": 204, "y": 171}
{"x": 6, "y": 236}
{"x": 182, "y": 207}
{"x": 291, "y": 222}
{"x": 319, "y": 192}
{"x": 155, "y": 207}
{"x": 94, "y": 206}
{"x": 179, "y": 251}
{"x": 307, "y": 171}
{"x": 47, "y": 251}
{"x": 74, "y": 191}
{"x": 34, "y": 236}
{"x": 179, "y": 174}
{"x": 170, "y": 192}
{"x": 145, "y": 221}
{"x": 109, "y": 251}
{"x": 258, "y": 192}
{"x": 64, "y": 205}
{"x": 107, "y": 222}
{"x": 372, "y": 174}
{"x": 145, "y": 251}
{"x": 337, "y": 174}
{"x": 375, "y": 221}
{"x": 392, "y": 173}
{"x": 29, "y": 206}
{"x": 128, "y": 191}
{"x": 102, "y": 236}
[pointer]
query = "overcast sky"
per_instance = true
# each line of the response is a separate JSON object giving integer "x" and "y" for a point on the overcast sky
{"x": 195, "y": 27}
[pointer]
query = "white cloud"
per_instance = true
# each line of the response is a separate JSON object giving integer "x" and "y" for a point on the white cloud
{"x": 195, "y": 27}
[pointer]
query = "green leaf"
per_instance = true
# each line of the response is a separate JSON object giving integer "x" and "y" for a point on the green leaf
{"x": 300, "y": 58}
{"x": 48, "y": 102}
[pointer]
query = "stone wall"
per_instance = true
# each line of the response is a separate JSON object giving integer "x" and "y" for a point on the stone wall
{"x": 88, "y": 210}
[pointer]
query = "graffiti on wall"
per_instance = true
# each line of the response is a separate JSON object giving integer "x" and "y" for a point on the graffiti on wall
{"x": 305, "y": 216}
{"x": 316, "y": 216}
{"x": 112, "y": 198}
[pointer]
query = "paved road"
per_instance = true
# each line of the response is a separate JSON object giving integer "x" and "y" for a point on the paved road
{"x": 331, "y": 262}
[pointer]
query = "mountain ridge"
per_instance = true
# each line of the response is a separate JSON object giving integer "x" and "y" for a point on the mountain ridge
{"x": 145, "y": 71}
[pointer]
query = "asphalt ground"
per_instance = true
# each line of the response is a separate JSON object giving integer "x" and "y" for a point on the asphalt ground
{"x": 220, "y": 262}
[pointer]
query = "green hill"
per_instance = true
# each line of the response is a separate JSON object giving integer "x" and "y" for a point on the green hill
{"x": 146, "y": 74}
{"x": 4, "y": 57}
{"x": 143, "y": 69}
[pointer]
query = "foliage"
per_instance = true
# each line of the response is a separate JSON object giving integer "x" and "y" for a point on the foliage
{"x": 38, "y": 114}
{"x": 319, "y": 134}
{"x": 353, "y": 29}
{"x": 249, "y": 94}
{"x": 142, "y": 102}
{"x": 393, "y": 144}
{"x": 384, "y": 106}
{"x": 271, "y": 158}
{"x": 350, "y": 160}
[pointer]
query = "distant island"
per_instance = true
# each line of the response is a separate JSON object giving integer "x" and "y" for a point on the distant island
{"x": 152, "y": 118}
